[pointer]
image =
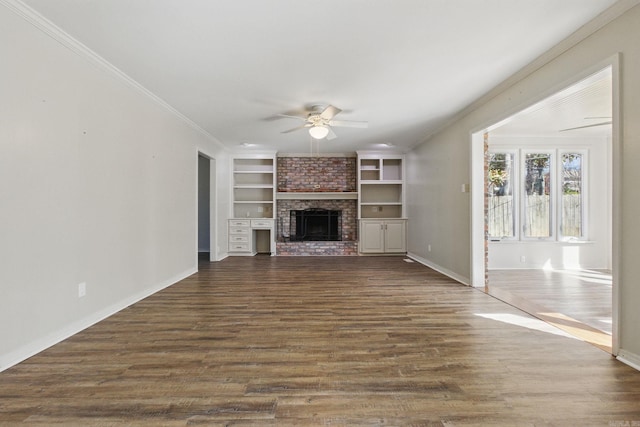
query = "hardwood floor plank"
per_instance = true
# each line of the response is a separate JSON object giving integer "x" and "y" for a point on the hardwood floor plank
{"x": 295, "y": 341}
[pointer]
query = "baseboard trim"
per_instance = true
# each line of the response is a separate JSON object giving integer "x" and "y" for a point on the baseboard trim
{"x": 455, "y": 276}
{"x": 14, "y": 357}
{"x": 629, "y": 358}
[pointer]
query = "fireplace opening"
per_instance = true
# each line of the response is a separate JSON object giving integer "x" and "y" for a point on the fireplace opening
{"x": 315, "y": 224}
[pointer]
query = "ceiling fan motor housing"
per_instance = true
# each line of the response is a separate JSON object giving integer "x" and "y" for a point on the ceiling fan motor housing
{"x": 317, "y": 120}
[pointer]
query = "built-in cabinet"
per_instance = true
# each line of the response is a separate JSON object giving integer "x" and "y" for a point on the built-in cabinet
{"x": 251, "y": 236}
{"x": 252, "y": 227}
{"x": 383, "y": 236}
{"x": 381, "y": 203}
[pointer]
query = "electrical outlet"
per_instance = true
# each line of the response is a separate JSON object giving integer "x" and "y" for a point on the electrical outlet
{"x": 82, "y": 289}
{"x": 429, "y": 248}
{"x": 523, "y": 259}
{"x": 375, "y": 209}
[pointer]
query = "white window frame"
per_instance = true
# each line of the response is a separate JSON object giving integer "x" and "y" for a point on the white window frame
{"x": 552, "y": 191}
{"x": 584, "y": 192}
{"x": 555, "y": 196}
{"x": 515, "y": 183}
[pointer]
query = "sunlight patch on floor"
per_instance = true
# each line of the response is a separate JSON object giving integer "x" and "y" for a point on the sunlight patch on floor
{"x": 526, "y": 322}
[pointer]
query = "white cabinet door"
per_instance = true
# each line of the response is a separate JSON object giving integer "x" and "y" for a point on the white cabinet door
{"x": 383, "y": 236}
{"x": 395, "y": 236}
{"x": 371, "y": 237}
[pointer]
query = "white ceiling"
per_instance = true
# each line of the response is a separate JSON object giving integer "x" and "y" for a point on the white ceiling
{"x": 584, "y": 109}
{"x": 405, "y": 66}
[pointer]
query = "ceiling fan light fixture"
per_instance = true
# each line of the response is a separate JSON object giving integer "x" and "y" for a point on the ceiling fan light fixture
{"x": 320, "y": 122}
{"x": 318, "y": 132}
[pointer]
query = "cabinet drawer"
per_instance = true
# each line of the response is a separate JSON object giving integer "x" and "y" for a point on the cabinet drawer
{"x": 239, "y": 222}
{"x": 239, "y": 230}
{"x": 238, "y": 238}
{"x": 261, "y": 223}
{"x": 239, "y": 247}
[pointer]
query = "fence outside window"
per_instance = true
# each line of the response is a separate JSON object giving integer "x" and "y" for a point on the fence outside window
{"x": 537, "y": 190}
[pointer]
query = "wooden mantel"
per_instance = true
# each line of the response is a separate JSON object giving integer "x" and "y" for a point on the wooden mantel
{"x": 317, "y": 195}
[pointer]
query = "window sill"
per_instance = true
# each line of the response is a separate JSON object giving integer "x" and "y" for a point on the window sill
{"x": 528, "y": 241}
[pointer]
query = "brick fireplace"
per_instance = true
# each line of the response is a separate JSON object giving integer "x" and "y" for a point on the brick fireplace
{"x": 316, "y": 184}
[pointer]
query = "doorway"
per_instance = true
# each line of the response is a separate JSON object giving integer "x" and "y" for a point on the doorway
{"x": 559, "y": 149}
{"x": 206, "y": 239}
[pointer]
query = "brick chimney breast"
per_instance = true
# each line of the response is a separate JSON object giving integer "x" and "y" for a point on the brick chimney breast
{"x": 316, "y": 174}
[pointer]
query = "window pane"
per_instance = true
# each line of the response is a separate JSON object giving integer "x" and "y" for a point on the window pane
{"x": 537, "y": 185}
{"x": 572, "y": 195}
{"x": 500, "y": 200}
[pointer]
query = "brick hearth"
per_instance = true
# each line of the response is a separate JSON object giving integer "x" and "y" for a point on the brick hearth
{"x": 317, "y": 248}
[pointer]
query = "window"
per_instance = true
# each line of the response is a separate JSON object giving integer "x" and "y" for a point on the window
{"x": 529, "y": 198}
{"x": 572, "y": 199}
{"x": 537, "y": 195}
{"x": 501, "y": 200}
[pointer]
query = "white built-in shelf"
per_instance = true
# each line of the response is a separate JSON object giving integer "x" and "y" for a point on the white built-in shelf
{"x": 253, "y": 186}
{"x": 254, "y": 201}
{"x": 381, "y": 186}
{"x": 381, "y": 204}
{"x": 254, "y": 165}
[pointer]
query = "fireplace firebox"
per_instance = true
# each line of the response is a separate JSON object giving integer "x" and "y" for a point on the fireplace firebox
{"x": 315, "y": 224}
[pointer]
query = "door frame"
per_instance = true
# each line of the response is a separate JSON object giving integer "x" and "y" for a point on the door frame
{"x": 213, "y": 214}
{"x": 479, "y": 249}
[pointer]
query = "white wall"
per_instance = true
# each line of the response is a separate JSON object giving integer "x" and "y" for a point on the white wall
{"x": 595, "y": 252}
{"x": 439, "y": 213}
{"x": 97, "y": 185}
{"x": 437, "y": 208}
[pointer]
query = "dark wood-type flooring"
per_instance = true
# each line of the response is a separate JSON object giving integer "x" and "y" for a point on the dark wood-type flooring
{"x": 320, "y": 341}
{"x": 577, "y": 301}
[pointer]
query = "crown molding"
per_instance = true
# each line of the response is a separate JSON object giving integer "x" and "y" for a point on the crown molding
{"x": 50, "y": 29}
{"x": 605, "y": 17}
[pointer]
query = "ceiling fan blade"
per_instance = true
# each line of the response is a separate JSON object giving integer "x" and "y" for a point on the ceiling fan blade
{"x": 331, "y": 135}
{"x": 306, "y": 125}
{"x": 292, "y": 117}
{"x": 329, "y": 112}
{"x": 586, "y": 126}
{"x": 348, "y": 123}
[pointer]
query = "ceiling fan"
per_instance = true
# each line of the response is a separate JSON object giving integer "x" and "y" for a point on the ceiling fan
{"x": 608, "y": 122}
{"x": 320, "y": 121}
